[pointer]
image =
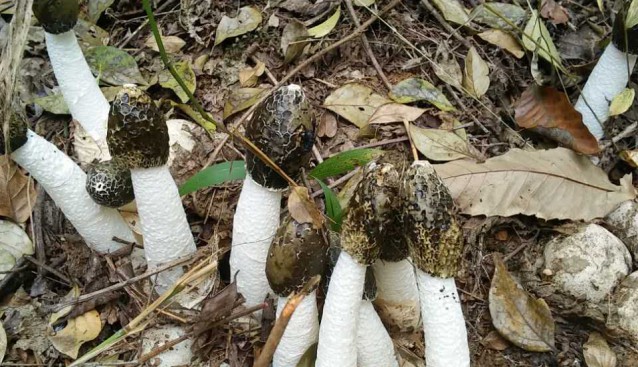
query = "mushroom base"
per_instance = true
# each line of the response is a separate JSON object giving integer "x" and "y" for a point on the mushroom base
{"x": 374, "y": 346}
{"x": 397, "y": 294}
{"x": 301, "y": 333}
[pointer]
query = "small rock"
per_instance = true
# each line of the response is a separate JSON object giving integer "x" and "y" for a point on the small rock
{"x": 623, "y": 222}
{"x": 625, "y": 311}
{"x": 588, "y": 264}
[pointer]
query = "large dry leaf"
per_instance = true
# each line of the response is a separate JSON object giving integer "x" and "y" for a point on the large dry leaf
{"x": 453, "y": 11}
{"x": 549, "y": 112}
{"x": 17, "y": 194}
{"x": 77, "y": 331}
{"x": 439, "y": 144}
{"x": 395, "y": 112}
{"x": 247, "y": 20}
{"x": 355, "y": 102}
{"x": 523, "y": 320}
{"x": 597, "y": 352}
{"x": 303, "y": 209}
{"x": 549, "y": 184}
{"x": 476, "y": 78}
{"x": 503, "y": 40}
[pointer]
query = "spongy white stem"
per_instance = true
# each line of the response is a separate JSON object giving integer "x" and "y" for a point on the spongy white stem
{"x": 301, "y": 333}
{"x": 64, "y": 181}
{"x": 178, "y": 355}
{"x": 443, "y": 323}
{"x": 606, "y": 81}
{"x": 167, "y": 235}
{"x": 79, "y": 88}
{"x": 397, "y": 293}
{"x": 254, "y": 226}
{"x": 338, "y": 329}
{"x": 374, "y": 346}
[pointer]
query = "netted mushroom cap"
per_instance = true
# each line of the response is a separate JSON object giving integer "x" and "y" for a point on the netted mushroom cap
{"x": 137, "y": 132}
{"x": 625, "y": 39}
{"x": 433, "y": 234}
{"x": 109, "y": 183}
{"x": 282, "y": 127}
{"x": 56, "y": 16}
{"x": 297, "y": 254}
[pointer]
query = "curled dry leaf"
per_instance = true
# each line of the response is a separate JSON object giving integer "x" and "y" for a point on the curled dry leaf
{"x": 549, "y": 184}
{"x": 395, "y": 112}
{"x": 293, "y": 40}
{"x": 476, "y": 78}
{"x": 597, "y": 352}
{"x": 324, "y": 28}
{"x": 303, "y": 209}
{"x": 495, "y": 341}
{"x": 17, "y": 192}
{"x": 247, "y": 20}
{"x": 549, "y": 112}
{"x": 503, "y": 40}
{"x": 327, "y": 125}
{"x": 248, "y": 77}
{"x": 523, "y": 320}
{"x": 355, "y": 102}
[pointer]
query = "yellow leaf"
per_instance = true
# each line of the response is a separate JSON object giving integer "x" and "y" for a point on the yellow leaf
{"x": 476, "y": 77}
{"x": 622, "y": 102}
{"x": 327, "y": 26}
{"x": 503, "y": 40}
{"x": 248, "y": 77}
{"x": 79, "y": 330}
{"x": 632, "y": 15}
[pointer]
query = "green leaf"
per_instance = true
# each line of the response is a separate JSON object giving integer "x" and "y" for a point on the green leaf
{"x": 53, "y": 103}
{"x": 214, "y": 175}
{"x": 113, "y": 66}
{"x": 187, "y": 75}
{"x": 333, "y": 209}
{"x": 327, "y": 26}
{"x": 344, "y": 162}
{"x": 416, "y": 89}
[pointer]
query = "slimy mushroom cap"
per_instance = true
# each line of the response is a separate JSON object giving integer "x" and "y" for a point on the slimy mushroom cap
{"x": 109, "y": 183}
{"x": 297, "y": 254}
{"x": 433, "y": 234}
{"x": 625, "y": 39}
{"x": 282, "y": 127}
{"x": 137, "y": 130}
{"x": 56, "y": 16}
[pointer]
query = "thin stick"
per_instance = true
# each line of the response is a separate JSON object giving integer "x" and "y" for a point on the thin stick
{"x": 415, "y": 154}
{"x": 282, "y": 321}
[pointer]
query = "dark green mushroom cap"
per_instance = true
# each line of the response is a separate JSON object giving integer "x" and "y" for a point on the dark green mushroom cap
{"x": 137, "y": 132}
{"x": 297, "y": 254}
{"x": 16, "y": 136}
{"x": 433, "y": 234}
{"x": 282, "y": 127}
{"x": 56, "y": 16}
{"x": 109, "y": 183}
{"x": 625, "y": 39}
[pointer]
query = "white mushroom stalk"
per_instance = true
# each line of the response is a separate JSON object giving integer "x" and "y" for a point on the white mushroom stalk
{"x": 609, "y": 77}
{"x": 436, "y": 243}
{"x": 398, "y": 295}
{"x": 77, "y": 84}
{"x": 297, "y": 254}
{"x": 138, "y": 135}
{"x": 282, "y": 128}
{"x": 374, "y": 346}
{"x": 64, "y": 181}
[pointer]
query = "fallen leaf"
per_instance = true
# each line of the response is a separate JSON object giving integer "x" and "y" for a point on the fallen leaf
{"x": 327, "y": 126}
{"x": 53, "y": 103}
{"x": 293, "y": 40}
{"x": 395, "y": 112}
{"x": 536, "y": 38}
{"x": 597, "y": 352}
{"x": 97, "y": 7}
{"x": 246, "y": 21}
{"x": 622, "y": 102}
{"x": 241, "y": 99}
{"x": 14, "y": 244}
{"x": 631, "y": 20}
{"x": 476, "y": 78}
{"x": 172, "y": 44}
{"x": 326, "y": 27}
{"x": 553, "y": 11}
{"x": 333, "y": 208}
{"x": 363, "y": 2}
{"x": 548, "y": 184}
{"x": 79, "y": 330}
{"x": 630, "y": 156}
{"x": 495, "y": 341}
{"x": 113, "y": 65}
{"x": 17, "y": 192}
{"x": 85, "y": 147}
{"x": 448, "y": 69}
{"x": 71, "y": 295}
{"x": 439, "y": 145}
{"x": 503, "y": 40}
{"x": 452, "y": 11}
{"x": 216, "y": 308}
{"x": 344, "y": 162}
{"x": 355, "y": 102}
{"x": 186, "y": 73}
{"x": 303, "y": 209}
{"x": 549, "y": 112}
{"x": 498, "y": 15}
{"x": 310, "y": 355}
{"x": 416, "y": 89}
{"x": 523, "y": 320}
{"x": 3, "y": 342}
{"x": 248, "y": 77}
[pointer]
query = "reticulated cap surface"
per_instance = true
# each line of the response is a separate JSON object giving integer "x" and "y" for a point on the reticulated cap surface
{"x": 56, "y": 16}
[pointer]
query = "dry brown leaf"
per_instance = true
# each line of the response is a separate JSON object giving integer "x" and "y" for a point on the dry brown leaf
{"x": 77, "y": 331}
{"x": 476, "y": 78}
{"x": 549, "y": 184}
{"x": 448, "y": 69}
{"x": 17, "y": 193}
{"x": 355, "y": 102}
{"x": 293, "y": 40}
{"x": 523, "y": 320}
{"x": 439, "y": 144}
{"x": 549, "y": 112}
{"x": 597, "y": 352}
{"x": 503, "y": 40}
{"x": 395, "y": 112}
{"x": 553, "y": 11}
{"x": 172, "y": 44}
{"x": 303, "y": 209}
{"x": 495, "y": 341}
{"x": 327, "y": 126}
{"x": 248, "y": 77}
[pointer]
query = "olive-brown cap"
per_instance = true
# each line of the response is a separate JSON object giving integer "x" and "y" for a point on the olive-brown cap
{"x": 297, "y": 254}
{"x": 283, "y": 128}
{"x": 17, "y": 133}
{"x": 56, "y": 16}
{"x": 137, "y": 131}
{"x": 109, "y": 183}
{"x": 433, "y": 234}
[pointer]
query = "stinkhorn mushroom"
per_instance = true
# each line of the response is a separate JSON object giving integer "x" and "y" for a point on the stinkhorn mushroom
{"x": 138, "y": 136}
{"x": 296, "y": 255}
{"x": 609, "y": 77}
{"x": 436, "y": 245}
{"x": 64, "y": 181}
{"x": 282, "y": 127}
{"x": 77, "y": 84}
{"x": 109, "y": 183}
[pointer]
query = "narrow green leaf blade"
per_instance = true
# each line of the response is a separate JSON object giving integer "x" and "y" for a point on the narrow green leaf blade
{"x": 214, "y": 175}
{"x": 344, "y": 162}
{"x": 333, "y": 209}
